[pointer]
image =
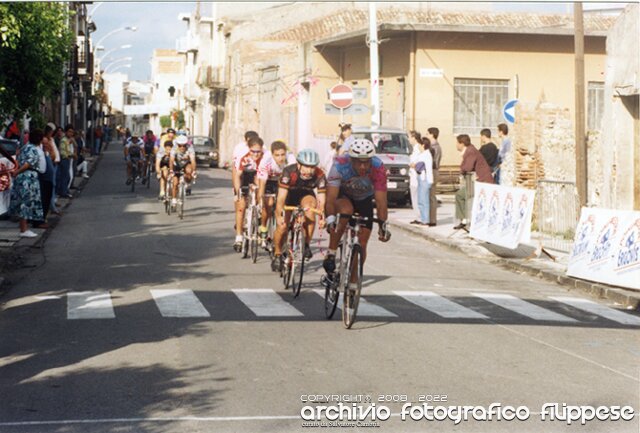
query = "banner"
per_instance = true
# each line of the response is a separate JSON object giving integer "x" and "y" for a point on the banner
{"x": 607, "y": 247}
{"x": 502, "y": 215}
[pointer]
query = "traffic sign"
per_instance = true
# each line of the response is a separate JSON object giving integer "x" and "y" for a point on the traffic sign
{"x": 341, "y": 96}
{"x": 509, "y": 111}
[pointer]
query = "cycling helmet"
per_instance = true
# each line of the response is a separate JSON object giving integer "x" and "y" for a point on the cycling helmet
{"x": 361, "y": 148}
{"x": 181, "y": 140}
{"x": 308, "y": 157}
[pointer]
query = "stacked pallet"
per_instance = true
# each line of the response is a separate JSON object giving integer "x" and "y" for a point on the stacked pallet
{"x": 529, "y": 168}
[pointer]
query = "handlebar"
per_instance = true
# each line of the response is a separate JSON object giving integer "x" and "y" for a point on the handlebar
{"x": 359, "y": 218}
{"x": 304, "y": 209}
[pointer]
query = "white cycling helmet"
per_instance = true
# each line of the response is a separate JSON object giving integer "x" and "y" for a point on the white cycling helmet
{"x": 361, "y": 148}
{"x": 181, "y": 140}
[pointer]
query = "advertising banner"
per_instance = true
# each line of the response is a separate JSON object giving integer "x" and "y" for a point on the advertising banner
{"x": 607, "y": 247}
{"x": 502, "y": 215}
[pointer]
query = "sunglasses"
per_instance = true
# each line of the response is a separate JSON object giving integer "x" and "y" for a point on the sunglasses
{"x": 256, "y": 151}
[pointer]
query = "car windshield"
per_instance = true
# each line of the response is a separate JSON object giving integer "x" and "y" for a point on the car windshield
{"x": 388, "y": 142}
{"x": 202, "y": 141}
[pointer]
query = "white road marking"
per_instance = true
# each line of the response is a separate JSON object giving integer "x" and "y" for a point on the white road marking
{"x": 365, "y": 308}
{"x": 522, "y": 307}
{"x": 89, "y": 305}
{"x": 600, "y": 310}
{"x": 439, "y": 305}
{"x": 266, "y": 303}
{"x": 178, "y": 303}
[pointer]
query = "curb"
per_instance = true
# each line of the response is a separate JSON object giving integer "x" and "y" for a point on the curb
{"x": 629, "y": 299}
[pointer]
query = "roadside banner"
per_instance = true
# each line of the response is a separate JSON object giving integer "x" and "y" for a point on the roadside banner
{"x": 502, "y": 215}
{"x": 606, "y": 247}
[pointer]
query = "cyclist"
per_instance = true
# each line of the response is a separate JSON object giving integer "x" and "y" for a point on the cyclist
{"x": 162, "y": 166}
{"x": 354, "y": 181}
{"x": 296, "y": 188}
{"x": 269, "y": 173}
{"x": 149, "y": 141}
{"x": 246, "y": 168}
{"x": 134, "y": 154}
{"x": 181, "y": 159}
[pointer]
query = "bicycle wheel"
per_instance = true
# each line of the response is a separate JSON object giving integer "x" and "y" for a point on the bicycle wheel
{"x": 167, "y": 197}
{"x": 331, "y": 289}
{"x": 134, "y": 174}
{"x": 255, "y": 223}
{"x": 246, "y": 233}
{"x": 288, "y": 260}
{"x": 351, "y": 297}
{"x": 298, "y": 263}
{"x": 181, "y": 198}
{"x": 148, "y": 174}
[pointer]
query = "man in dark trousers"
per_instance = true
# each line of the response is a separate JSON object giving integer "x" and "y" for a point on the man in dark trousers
{"x": 432, "y": 135}
{"x": 472, "y": 161}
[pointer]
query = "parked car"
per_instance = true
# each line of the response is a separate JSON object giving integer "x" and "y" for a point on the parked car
{"x": 393, "y": 148}
{"x": 206, "y": 149}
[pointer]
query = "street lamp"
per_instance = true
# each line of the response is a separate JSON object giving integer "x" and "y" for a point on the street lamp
{"x": 132, "y": 28}
{"x": 118, "y": 67}
{"x": 121, "y": 47}
{"x": 121, "y": 59}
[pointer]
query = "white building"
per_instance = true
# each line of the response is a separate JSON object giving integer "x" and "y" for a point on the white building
{"x": 167, "y": 81}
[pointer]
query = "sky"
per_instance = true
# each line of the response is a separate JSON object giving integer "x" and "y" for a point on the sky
{"x": 158, "y": 26}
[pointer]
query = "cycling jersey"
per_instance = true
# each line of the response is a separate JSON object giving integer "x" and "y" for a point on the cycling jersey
{"x": 344, "y": 176}
{"x": 163, "y": 157}
{"x": 134, "y": 150}
{"x": 180, "y": 159}
{"x": 292, "y": 180}
{"x": 270, "y": 170}
{"x": 189, "y": 151}
{"x": 247, "y": 163}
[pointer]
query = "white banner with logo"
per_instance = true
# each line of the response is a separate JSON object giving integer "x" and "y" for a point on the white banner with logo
{"x": 607, "y": 247}
{"x": 502, "y": 215}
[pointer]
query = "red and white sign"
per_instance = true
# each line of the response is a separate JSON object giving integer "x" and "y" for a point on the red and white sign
{"x": 341, "y": 96}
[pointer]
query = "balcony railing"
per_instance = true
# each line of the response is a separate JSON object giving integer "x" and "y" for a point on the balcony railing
{"x": 210, "y": 77}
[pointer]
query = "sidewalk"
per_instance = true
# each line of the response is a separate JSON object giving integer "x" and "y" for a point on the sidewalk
{"x": 524, "y": 259}
{"x": 12, "y": 246}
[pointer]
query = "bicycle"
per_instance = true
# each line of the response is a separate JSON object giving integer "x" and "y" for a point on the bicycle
{"x": 134, "y": 173}
{"x": 349, "y": 260}
{"x": 271, "y": 230}
{"x": 251, "y": 238}
{"x": 182, "y": 193}
{"x": 293, "y": 269}
{"x": 167, "y": 195}
{"x": 147, "y": 171}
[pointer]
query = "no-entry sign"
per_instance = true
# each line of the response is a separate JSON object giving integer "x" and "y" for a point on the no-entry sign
{"x": 341, "y": 96}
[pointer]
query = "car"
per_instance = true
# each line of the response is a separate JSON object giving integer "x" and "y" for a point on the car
{"x": 206, "y": 149}
{"x": 393, "y": 148}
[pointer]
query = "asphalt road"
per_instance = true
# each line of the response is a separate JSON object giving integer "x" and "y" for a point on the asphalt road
{"x": 138, "y": 322}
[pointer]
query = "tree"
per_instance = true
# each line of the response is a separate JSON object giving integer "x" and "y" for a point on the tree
{"x": 165, "y": 121}
{"x": 35, "y": 44}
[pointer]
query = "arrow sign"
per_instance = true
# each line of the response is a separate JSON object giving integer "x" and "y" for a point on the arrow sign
{"x": 509, "y": 111}
{"x": 341, "y": 96}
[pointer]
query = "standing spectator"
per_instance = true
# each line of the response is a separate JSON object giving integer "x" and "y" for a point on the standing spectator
{"x": 415, "y": 140}
{"x": 49, "y": 132}
{"x": 46, "y": 179}
{"x": 26, "y": 202}
{"x": 424, "y": 170}
{"x": 432, "y": 135}
{"x": 505, "y": 147}
{"x": 97, "y": 144}
{"x": 66, "y": 148}
{"x": 82, "y": 166}
{"x": 472, "y": 161}
{"x": 489, "y": 150}
{"x": 345, "y": 132}
{"x": 13, "y": 132}
{"x": 331, "y": 154}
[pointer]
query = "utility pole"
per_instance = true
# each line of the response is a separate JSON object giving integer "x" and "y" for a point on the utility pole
{"x": 581, "y": 142}
{"x": 373, "y": 65}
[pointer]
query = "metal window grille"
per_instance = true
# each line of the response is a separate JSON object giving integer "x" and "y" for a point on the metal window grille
{"x": 478, "y": 104}
{"x": 595, "y": 109}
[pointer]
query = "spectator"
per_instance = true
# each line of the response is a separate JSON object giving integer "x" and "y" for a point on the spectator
{"x": 66, "y": 147}
{"x": 49, "y": 131}
{"x": 46, "y": 178}
{"x": 97, "y": 144}
{"x": 13, "y": 132}
{"x": 328, "y": 161}
{"x": 415, "y": 140}
{"x": 488, "y": 149}
{"x": 345, "y": 132}
{"x": 505, "y": 147}
{"x": 472, "y": 161}
{"x": 432, "y": 135}
{"x": 26, "y": 202}
{"x": 424, "y": 170}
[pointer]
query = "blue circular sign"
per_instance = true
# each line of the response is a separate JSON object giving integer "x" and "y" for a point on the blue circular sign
{"x": 509, "y": 111}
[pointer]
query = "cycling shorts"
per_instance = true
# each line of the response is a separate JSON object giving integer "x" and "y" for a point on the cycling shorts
{"x": 295, "y": 196}
{"x": 364, "y": 208}
{"x": 271, "y": 187}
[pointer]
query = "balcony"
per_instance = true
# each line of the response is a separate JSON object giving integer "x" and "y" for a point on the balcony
{"x": 186, "y": 44}
{"x": 210, "y": 77}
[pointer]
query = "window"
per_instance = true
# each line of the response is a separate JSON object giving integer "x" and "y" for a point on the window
{"x": 595, "y": 109}
{"x": 478, "y": 104}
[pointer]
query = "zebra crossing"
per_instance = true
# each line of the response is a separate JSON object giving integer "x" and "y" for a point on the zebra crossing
{"x": 266, "y": 303}
{"x": 269, "y": 303}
